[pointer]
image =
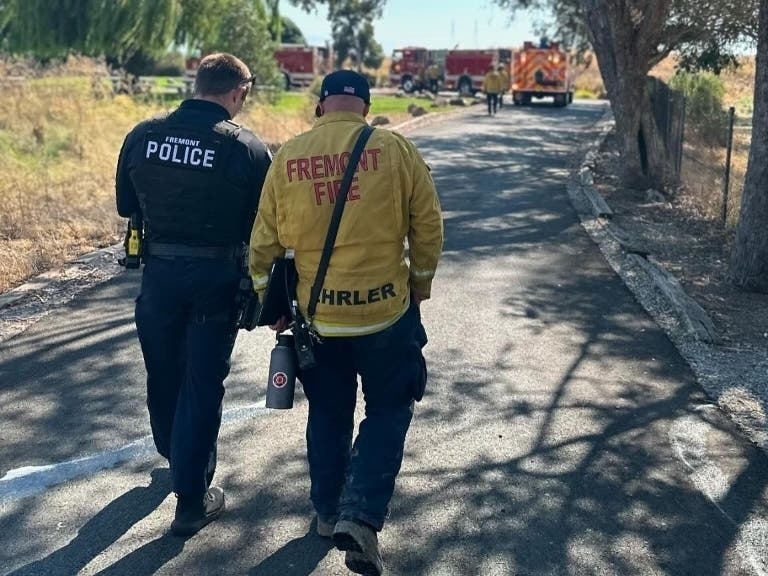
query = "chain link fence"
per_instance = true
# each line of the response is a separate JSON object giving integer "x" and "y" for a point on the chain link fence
{"x": 713, "y": 173}
{"x": 709, "y": 161}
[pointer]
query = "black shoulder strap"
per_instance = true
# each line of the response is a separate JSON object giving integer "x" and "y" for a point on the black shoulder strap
{"x": 333, "y": 227}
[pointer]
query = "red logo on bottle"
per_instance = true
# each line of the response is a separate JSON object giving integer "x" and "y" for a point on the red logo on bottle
{"x": 279, "y": 379}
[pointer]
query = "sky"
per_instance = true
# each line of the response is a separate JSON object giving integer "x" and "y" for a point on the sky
{"x": 431, "y": 24}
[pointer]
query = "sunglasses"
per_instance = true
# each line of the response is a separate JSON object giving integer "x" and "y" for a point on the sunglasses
{"x": 249, "y": 82}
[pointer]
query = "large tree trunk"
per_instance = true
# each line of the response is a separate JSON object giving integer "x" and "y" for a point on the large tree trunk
{"x": 624, "y": 40}
{"x": 749, "y": 262}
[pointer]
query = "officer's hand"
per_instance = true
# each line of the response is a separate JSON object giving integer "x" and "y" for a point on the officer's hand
{"x": 281, "y": 325}
{"x": 416, "y": 297}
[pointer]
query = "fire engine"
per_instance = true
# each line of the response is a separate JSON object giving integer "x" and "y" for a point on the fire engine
{"x": 461, "y": 70}
{"x": 542, "y": 71}
{"x": 465, "y": 69}
{"x": 301, "y": 64}
{"x": 408, "y": 68}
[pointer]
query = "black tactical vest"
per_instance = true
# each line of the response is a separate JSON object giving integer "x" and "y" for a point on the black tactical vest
{"x": 182, "y": 185}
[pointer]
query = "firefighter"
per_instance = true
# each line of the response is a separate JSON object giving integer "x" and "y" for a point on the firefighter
{"x": 368, "y": 318}
{"x": 492, "y": 87}
{"x": 433, "y": 76}
{"x": 504, "y": 81}
{"x": 195, "y": 176}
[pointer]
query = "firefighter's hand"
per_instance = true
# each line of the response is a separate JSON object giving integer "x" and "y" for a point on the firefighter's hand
{"x": 417, "y": 298}
{"x": 280, "y": 326}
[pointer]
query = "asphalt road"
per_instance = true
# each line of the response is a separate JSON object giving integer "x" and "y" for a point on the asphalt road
{"x": 561, "y": 432}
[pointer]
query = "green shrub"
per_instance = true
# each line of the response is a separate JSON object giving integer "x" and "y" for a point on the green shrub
{"x": 745, "y": 106}
{"x": 704, "y": 93}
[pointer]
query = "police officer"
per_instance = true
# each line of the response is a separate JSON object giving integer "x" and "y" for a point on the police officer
{"x": 367, "y": 316}
{"x": 195, "y": 176}
{"x": 492, "y": 87}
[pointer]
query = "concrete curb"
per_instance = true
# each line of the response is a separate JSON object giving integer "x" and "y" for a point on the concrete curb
{"x": 733, "y": 378}
{"x": 697, "y": 322}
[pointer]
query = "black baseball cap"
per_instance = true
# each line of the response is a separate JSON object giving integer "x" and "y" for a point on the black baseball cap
{"x": 345, "y": 83}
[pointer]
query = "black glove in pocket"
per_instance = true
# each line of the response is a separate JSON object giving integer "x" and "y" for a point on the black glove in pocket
{"x": 419, "y": 376}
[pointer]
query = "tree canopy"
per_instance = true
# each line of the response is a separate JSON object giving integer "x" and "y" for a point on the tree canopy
{"x": 53, "y": 28}
{"x": 243, "y": 30}
{"x": 352, "y": 29}
{"x": 290, "y": 33}
{"x": 704, "y": 33}
{"x": 119, "y": 30}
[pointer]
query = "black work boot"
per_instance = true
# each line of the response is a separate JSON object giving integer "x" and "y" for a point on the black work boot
{"x": 192, "y": 513}
{"x": 361, "y": 545}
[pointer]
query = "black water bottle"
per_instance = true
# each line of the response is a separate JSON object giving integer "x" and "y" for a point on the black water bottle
{"x": 282, "y": 374}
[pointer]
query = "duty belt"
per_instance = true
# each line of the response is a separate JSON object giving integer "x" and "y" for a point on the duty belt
{"x": 162, "y": 250}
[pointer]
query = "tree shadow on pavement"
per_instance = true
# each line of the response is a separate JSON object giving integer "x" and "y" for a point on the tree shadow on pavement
{"x": 299, "y": 557}
{"x": 561, "y": 433}
{"x": 66, "y": 372}
{"x": 104, "y": 529}
{"x": 577, "y": 470}
{"x": 148, "y": 559}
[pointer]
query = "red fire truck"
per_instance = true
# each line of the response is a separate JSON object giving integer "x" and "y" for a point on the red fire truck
{"x": 540, "y": 72}
{"x": 465, "y": 69}
{"x": 301, "y": 64}
{"x": 461, "y": 70}
{"x": 408, "y": 68}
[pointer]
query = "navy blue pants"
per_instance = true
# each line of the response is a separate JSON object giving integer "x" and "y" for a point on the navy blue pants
{"x": 357, "y": 481}
{"x": 493, "y": 102}
{"x": 186, "y": 326}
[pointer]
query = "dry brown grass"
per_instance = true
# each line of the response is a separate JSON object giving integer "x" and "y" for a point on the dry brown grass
{"x": 60, "y": 135}
{"x": 703, "y": 174}
{"x": 740, "y": 86}
{"x": 587, "y": 79}
{"x": 276, "y": 127}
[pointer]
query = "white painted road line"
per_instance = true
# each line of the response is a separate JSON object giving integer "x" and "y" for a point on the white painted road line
{"x": 688, "y": 437}
{"x": 30, "y": 480}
